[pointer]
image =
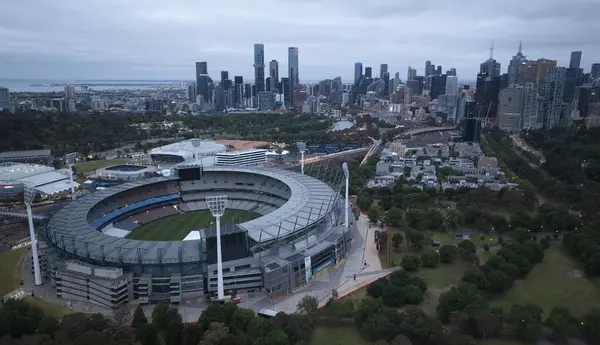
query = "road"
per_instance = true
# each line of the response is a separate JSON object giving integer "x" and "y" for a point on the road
{"x": 523, "y": 145}
{"x": 372, "y": 150}
{"x": 424, "y": 130}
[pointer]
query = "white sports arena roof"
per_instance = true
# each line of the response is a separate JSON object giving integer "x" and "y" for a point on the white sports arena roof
{"x": 45, "y": 179}
{"x": 187, "y": 150}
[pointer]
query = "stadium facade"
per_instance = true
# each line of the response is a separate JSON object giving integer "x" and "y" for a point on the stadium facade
{"x": 300, "y": 232}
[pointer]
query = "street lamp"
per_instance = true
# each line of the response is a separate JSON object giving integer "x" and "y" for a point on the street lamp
{"x": 196, "y": 144}
{"x": 70, "y": 158}
{"x": 302, "y": 148}
{"x": 28, "y": 196}
{"x": 216, "y": 205}
{"x": 347, "y": 203}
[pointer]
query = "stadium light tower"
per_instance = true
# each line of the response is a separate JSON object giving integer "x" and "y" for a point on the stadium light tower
{"x": 196, "y": 144}
{"x": 217, "y": 204}
{"x": 28, "y": 196}
{"x": 347, "y": 202}
{"x": 70, "y": 158}
{"x": 302, "y": 148}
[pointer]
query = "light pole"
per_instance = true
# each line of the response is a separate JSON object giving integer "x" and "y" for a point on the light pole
{"x": 347, "y": 202}
{"x": 70, "y": 158}
{"x": 302, "y": 148}
{"x": 216, "y": 205}
{"x": 28, "y": 196}
{"x": 196, "y": 144}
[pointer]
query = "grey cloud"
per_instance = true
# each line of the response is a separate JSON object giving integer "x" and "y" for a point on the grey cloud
{"x": 106, "y": 39}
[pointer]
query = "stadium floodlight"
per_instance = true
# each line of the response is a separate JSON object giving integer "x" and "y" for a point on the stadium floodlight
{"x": 28, "y": 196}
{"x": 347, "y": 202}
{"x": 216, "y": 205}
{"x": 70, "y": 158}
{"x": 196, "y": 144}
{"x": 302, "y": 148}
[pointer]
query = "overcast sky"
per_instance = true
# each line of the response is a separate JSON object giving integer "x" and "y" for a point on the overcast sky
{"x": 158, "y": 39}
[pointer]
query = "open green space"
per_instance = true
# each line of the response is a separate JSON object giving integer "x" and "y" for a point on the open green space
{"x": 477, "y": 239}
{"x": 176, "y": 227}
{"x": 10, "y": 270}
{"x": 555, "y": 282}
{"x": 91, "y": 166}
{"x": 48, "y": 308}
{"x": 337, "y": 336}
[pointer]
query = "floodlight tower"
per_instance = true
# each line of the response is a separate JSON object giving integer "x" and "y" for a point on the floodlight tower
{"x": 70, "y": 158}
{"x": 196, "y": 144}
{"x": 347, "y": 202}
{"x": 216, "y": 205}
{"x": 302, "y": 148}
{"x": 28, "y": 196}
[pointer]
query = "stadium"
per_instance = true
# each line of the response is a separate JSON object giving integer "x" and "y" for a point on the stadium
{"x": 154, "y": 239}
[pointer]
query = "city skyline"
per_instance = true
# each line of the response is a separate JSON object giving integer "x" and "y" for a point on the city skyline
{"x": 110, "y": 39}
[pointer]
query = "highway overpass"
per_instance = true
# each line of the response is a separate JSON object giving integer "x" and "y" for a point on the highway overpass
{"x": 418, "y": 131}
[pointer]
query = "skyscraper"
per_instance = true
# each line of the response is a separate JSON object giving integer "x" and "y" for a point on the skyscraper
{"x": 438, "y": 86}
{"x": 428, "y": 68}
{"x": 203, "y": 82}
{"x": 382, "y": 69}
{"x": 472, "y": 122}
{"x": 552, "y": 97}
{"x": 595, "y": 70}
{"x": 69, "y": 92}
{"x": 4, "y": 103}
{"x": 490, "y": 67}
{"x": 357, "y": 72}
{"x": 486, "y": 96}
{"x": 274, "y": 75}
{"x": 224, "y": 79}
{"x": 259, "y": 67}
{"x": 238, "y": 82}
{"x": 411, "y": 74}
{"x": 285, "y": 89}
{"x": 368, "y": 72}
{"x": 516, "y": 66}
{"x": 575, "y": 61}
{"x": 293, "y": 73}
{"x": 451, "y": 85}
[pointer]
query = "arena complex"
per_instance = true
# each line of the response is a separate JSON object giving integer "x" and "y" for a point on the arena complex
{"x": 300, "y": 232}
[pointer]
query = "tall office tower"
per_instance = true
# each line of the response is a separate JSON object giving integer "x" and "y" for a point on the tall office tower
{"x": 268, "y": 84}
{"x": 382, "y": 69}
{"x": 203, "y": 81}
{"x": 490, "y": 67}
{"x": 516, "y": 66}
{"x": 358, "y": 72}
{"x": 529, "y": 109}
{"x": 274, "y": 75}
{"x": 259, "y": 67}
{"x": 386, "y": 83}
{"x": 411, "y": 74}
{"x": 395, "y": 81}
{"x": 585, "y": 96}
{"x": 428, "y": 68}
{"x": 486, "y": 96}
{"x": 293, "y": 73}
{"x": 336, "y": 84}
{"x": 4, "y": 103}
{"x": 219, "y": 97}
{"x": 368, "y": 72}
{"x": 438, "y": 86}
{"x": 451, "y": 85}
{"x": 575, "y": 61}
{"x": 287, "y": 95}
{"x": 510, "y": 102}
{"x": 192, "y": 93}
{"x": 595, "y": 70}
{"x": 451, "y": 72}
{"x": 439, "y": 70}
{"x": 573, "y": 78}
{"x": 224, "y": 79}
{"x": 69, "y": 92}
{"x": 472, "y": 122}
{"x": 552, "y": 97}
{"x": 238, "y": 82}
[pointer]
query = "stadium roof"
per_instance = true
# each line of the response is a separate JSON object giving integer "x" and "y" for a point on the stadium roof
{"x": 187, "y": 150}
{"x": 310, "y": 201}
{"x": 45, "y": 179}
{"x": 18, "y": 154}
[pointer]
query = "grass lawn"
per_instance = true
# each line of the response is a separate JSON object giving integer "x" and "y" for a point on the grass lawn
{"x": 48, "y": 308}
{"x": 10, "y": 270}
{"x": 176, "y": 227}
{"x": 337, "y": 336}
{"x": 551, "y": 283}
{"x": 91, "y": 166}
{"x": 449, "y": 238}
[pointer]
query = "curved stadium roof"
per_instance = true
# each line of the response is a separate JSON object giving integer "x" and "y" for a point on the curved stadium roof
{"x": 310, "y": 201}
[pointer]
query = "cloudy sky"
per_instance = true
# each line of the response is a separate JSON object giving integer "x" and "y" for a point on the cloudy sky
{"x": 157, "y": 39}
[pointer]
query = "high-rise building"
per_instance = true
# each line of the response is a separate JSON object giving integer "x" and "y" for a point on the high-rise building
{"x": 584, "y": 96}
{"x": 69, "y": 92}
{"x": 451, "y": 72}
{"x": 490, "y": 67}
{"x": 274, "y": 75}
{"x": 192, "y": 93}
{"x": 451, "y": 85}
{"x": 219, "y": 97}
{"x": 439, "y": 70}
{"x": 595, "y": 71}
{"x": 386, "y": 83}
{"x": 411, "y": 74}
{"x": 573, "y": 78}
{"x": 575, "y": 61}
{"x": 428, "y": 68}
{"x": 4, "y": 103}
{"x": 293, "y": 73}
{"x": 486, "y": 96}
{"x": 368, "y": 72}
{"x": 438, "y": 86}
{"x": 516, "y": 66}
{"x": 552, "y": 97}
{"x": 259, "y": 67}
{"x": 266, "y": 100}
{"x": 224, "y": 79}
{"x": 238, "y": 82}
{"x": 510, "y": 103}
{"x": 357, "y": 72}
{"x": 287, "y": 94}
{"x": 472, "y": 130}
{"x": 382, "y": 69}
{"x": 203, "y": 82}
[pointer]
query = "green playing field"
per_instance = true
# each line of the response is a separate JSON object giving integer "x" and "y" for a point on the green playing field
{"x": 176, "y": 227}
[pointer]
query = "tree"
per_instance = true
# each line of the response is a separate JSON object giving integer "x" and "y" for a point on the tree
{"x": 241, "y": 319}
{"x": 308, "y": 305}
{"x": 415, "y": 239}
{"x": 393, "y": 217}
{"x": 520, "y": 235}
{"x": 412, "y": 294}
{"x": 499, "y": 281}
{"x": 527, "y": 320}
{"x": 120, "y": 314}
{"x": 466, "y": 245}
{"x": 488, "y": 324}
{"x": 486, "y": 247}
{"x": 458, "y": 320}
{"x": 374, "y": 214}
{"x": 448, "y": 253}
{"x": 368, "y": 306}
{"x": 173, "y": 333}
{"x": 400, "y": 339}
{"x": 562, "y": 322}
{"x": 364, "y": 201}
{"x": 393, "y": 296}
{"x": 191, "y": 334}
{"x": 590, "y": 325}
{"x": 455, "y": 219}
{"x": 382, "y": 240}
{"x": 397, "y": 240}
{"x": 147, "y": 334}
{"x": 376, "y": 288}
{"x": 430, "y": 258}
{"x": 215, "y": 335}
{"x": 159, "y": 314}
{"x": 410, "y": 263}
{"x": 275, "y": 337}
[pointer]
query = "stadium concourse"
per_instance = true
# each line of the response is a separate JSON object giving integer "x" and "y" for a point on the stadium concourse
{"x": 298, "y": 234}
